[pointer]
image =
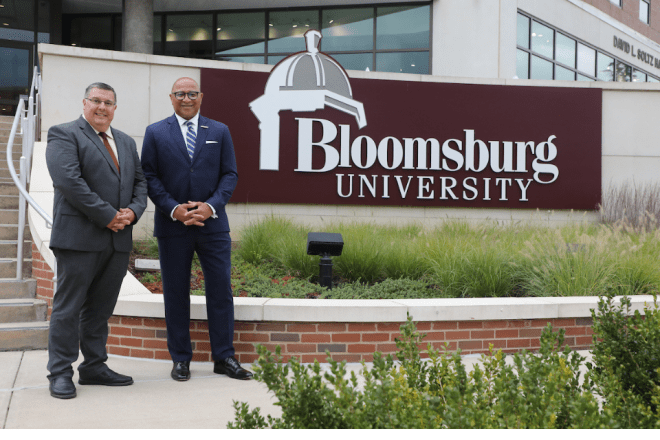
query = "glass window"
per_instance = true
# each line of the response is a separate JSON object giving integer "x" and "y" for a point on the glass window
{"x": 241, "y": 32}
{"x": 565, "y": 50}
{"x": 586, "y": 60}
{"x": 623, "y": 72}
{"x": 605, "y": 67}
{"x": 616, "y": 2}
{"x": 652, "y": 79}
{"x": 17, "y": 21}
{"x": 158, "y": 28}
{"x": 355, "y": 61}
{"x": 406, "y": 62}
{"x": 14, "y": 72}
{"x": 522, "y": 33}
{"x": 541, "y": 69}
{"x": 286, "y": 30}
{"x": 189, "y": 35}
{"x": 403, "y": 27}
{"x": 347, "y": 29}
{"x": 93, "y": 32}
{"x": 243, "y": 59}
{"x": 563, "y": 74}
{"x": 158, "y": 32}
{"x": 542, "y": 39}
{"x": 43, "y": 27}
{"x": 644, "y": 8}
{"x": 583, "y": 78}
{"x": 638, "y": 76}
{"x": 274, "y": 59}
{"x": 522, "y": 64}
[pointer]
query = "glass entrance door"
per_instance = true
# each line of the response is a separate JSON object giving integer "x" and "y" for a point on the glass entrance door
{"x": 15, "y": 74}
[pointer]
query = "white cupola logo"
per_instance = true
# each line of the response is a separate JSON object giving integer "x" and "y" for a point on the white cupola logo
{"x": 302, "y": 82}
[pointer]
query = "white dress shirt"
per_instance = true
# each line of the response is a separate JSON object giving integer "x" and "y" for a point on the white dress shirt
{"x": 111, "y": 139}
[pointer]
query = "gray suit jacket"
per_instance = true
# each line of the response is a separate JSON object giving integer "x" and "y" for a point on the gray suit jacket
{"x": 88, "y": 189}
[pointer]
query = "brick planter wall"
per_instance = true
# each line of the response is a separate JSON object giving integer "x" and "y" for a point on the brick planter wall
{"x": 350, "y": 341}
{"x": 44, "y": 276}
{"x": 353, "y": 342}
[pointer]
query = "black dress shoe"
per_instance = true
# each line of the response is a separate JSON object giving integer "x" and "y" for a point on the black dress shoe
{"x": 231, "y": 368}
{"x": 62, "y": 388}
{"x": 181, "y": 371}
{"x": 107, "y": 378}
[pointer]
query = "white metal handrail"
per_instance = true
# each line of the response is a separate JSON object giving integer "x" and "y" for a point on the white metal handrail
{"x": 30, "y": 121}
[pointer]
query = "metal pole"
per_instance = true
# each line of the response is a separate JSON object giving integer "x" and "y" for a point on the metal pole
{"x": 325, "y": 271}
{"x": 21, "y": 223}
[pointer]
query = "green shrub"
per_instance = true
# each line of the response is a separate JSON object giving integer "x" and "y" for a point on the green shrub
{"x": 533, "y": 391}
{"x": 626, "y": 361}
{"x": 387, "y": 289}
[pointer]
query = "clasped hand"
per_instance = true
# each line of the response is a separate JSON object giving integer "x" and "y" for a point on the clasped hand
{"x": 123, "y": 218}
{"x": 192, "y": 213}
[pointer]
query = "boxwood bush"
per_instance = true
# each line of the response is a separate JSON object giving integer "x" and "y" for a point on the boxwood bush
{"x": 532, "y": 390}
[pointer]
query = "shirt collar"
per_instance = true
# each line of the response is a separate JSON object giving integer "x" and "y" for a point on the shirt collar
{"x": 108, "y": 132}
{"x": 194, "y": 119}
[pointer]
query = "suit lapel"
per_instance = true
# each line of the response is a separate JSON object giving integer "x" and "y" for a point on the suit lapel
{"x": 96, "y": 140}
{"x": 202, "y": 133}
{"x": 177, "y": 143}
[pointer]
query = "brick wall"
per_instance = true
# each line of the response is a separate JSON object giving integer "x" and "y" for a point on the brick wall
{"x": 353, "y": 342}
{"x": 44, "y": 276}
{"x": 350, "y": 341}
{"x": 629, "y": 15}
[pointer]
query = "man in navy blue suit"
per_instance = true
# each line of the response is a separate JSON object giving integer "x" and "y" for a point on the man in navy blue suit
{"x": 190, "y": 167}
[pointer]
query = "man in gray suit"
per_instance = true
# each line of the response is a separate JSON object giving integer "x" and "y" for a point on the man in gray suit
{"x": 100, "y": 192}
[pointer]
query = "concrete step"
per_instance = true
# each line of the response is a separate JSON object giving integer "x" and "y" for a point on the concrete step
{"x": 23, "y": 310}
{"x": 9, "y": 202}
{"x": 19, "y": 336}
{"x": 15, "y": 289}
{"x": 9, "y": 216}
{"x": 8, "y": 189}
{"x": 3, "y": 163}
{"x": 9, "y": 249}
{"x": 10, "y": 232}
{"x": 8, "y": 268}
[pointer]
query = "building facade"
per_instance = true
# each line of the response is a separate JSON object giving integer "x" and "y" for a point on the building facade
{"x": 568, "y": 40}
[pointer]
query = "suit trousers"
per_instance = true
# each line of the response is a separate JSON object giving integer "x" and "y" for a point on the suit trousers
{"x": 214, "y": 253}
{"x": 88, "y": 285}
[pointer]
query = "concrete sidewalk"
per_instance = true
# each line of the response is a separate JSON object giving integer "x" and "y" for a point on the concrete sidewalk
{"x": 153, "y": 401}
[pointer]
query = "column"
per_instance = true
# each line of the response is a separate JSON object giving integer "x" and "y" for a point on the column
{"x": 138, "y": 24}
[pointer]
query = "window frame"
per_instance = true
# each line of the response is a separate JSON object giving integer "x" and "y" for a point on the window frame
{"x": 648, "y": 11}
{"x": 578, "y": 73}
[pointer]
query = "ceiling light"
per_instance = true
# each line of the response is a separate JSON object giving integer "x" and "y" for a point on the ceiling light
{"x": 295, "y": 26}
{"x": 219, "y": 29}
{"x": 533, "y": 34}
{"x": 270, "y": 24}
{"x": 331, "y": 21}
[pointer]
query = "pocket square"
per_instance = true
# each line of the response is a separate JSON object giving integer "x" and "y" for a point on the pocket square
{"x": 211, "y": 142}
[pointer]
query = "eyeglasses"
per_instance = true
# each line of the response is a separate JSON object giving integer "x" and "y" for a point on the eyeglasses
{"x": 98, "y": 102}
{"x": 181, "y": 95}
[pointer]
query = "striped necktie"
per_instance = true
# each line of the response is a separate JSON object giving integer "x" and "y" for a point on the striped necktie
{"x": 190, "y": 139}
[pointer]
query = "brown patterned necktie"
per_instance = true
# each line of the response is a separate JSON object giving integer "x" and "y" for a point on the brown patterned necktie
{"x": 109, "y": 148}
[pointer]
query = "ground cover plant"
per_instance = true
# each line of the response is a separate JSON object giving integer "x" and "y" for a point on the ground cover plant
{"x": 542, "y": 390}
{"x": 455, "y": 260}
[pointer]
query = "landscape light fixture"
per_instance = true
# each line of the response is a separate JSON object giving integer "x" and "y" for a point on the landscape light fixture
{"x": 325, "y": 244}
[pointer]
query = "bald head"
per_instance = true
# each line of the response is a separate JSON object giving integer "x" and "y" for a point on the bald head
{"x": 186, "y": 107}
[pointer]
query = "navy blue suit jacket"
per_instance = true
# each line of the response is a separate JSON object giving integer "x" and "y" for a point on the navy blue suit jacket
{"x": 173, "y": 179}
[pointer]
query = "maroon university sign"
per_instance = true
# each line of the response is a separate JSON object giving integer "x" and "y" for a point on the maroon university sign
{"x": 306, "y": 134}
